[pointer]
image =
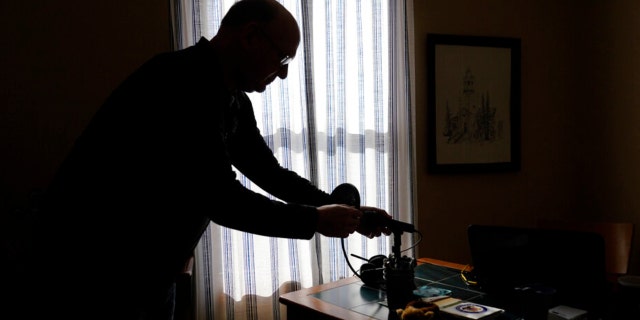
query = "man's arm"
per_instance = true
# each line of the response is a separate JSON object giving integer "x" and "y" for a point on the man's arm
{"x": 252, "y": 156}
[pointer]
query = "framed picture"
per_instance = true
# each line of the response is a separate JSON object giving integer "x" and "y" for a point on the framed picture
{"x": 473, "y": 104}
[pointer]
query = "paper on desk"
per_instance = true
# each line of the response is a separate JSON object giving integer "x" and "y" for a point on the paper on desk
{"x": 447, "y": 301}
{"x": 470, "y": 310}
{"x": 434, "y": 299}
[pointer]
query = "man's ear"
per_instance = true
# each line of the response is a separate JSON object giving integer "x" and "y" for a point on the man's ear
{"x": 250, "y": 36}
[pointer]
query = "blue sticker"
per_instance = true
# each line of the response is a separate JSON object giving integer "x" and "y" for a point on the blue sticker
{"x": 429, "y": 291}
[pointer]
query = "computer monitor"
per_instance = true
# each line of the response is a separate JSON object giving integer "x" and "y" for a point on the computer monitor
{"x": 569, "y": 264}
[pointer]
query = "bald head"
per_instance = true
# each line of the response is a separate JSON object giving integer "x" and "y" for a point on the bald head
{"x": 263, "y": 12}
{"x": 244, "y": 11}
{"x": 256, "y": 40}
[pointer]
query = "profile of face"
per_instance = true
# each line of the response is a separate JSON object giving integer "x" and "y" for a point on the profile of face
{"x": 272, "y": 47}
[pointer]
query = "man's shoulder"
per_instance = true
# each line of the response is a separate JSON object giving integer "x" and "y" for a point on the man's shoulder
{"x": 195, "y": 53}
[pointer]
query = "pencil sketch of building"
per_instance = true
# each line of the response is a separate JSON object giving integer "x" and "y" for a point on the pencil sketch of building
{"x": 473, "y": 120}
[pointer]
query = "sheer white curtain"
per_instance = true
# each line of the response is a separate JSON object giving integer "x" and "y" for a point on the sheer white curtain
{"x": 343, "y": 115}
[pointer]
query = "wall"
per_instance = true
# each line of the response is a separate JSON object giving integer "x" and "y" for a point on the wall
{"x": 580, "y": 108}
{"x": 59, "y": 62}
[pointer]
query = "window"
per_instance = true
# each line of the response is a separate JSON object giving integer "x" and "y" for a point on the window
{"x": 342, "y": 115}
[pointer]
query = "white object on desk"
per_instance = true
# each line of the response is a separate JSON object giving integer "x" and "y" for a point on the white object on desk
{"x": 629, "y": 281}
{"x": 470, "y": 310}
{"x": 566, "y": 313}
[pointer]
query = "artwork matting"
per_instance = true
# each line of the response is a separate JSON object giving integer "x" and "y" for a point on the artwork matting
{"x": 474, "y": 104}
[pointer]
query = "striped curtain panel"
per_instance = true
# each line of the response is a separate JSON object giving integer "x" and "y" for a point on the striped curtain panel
{"x": 342, "y": 115}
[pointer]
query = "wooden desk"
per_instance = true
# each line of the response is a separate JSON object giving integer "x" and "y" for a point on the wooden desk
{"x": 443, "y": 263}
{"x": 350, "y": 299}
{"x": 303, "y": 304}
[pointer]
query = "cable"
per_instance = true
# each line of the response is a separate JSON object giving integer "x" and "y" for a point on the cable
{"x": 464, "y": 278}
{"x": 344, "y": 252}
{"x": 416, "y": 243}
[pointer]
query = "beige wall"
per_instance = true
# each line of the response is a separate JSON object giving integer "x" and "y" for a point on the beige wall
{"x": 59, "y": 60}
{"x": 580, "y": 106}
{"x": 580, "y": 112}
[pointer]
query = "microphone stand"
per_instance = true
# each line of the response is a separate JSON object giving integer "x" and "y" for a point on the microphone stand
{"x": 399, "y": 276}
{"x": 397, "y": 239}
{"x": 398, "y": 273}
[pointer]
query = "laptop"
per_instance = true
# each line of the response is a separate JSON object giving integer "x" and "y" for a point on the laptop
{"x": 566, "y": 266}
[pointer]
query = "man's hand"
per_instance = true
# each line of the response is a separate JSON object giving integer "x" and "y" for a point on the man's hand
{"x": 337, "y": 220}
{"x": 374, "y": 231}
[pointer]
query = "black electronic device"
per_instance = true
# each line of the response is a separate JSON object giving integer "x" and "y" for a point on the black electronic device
{"x": 348, "y": 194}
{"x": 394, "y": 274}
{"x": 566, "y": 265}
{"x": 372, "y": 220}
{"x": 372, "y": 272}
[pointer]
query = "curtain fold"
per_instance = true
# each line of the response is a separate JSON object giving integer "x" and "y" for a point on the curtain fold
{"x": 402, "y": 182}
{"x": 344, "y": 114}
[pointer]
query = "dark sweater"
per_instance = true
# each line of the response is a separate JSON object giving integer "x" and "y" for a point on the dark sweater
{"x": 154, "y": 167}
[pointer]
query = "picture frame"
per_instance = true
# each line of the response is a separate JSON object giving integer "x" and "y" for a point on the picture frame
{"x": 473, "y": 104}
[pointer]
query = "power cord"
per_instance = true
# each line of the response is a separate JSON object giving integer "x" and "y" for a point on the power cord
{"x": 464, "y": 277}
{"x": 344, "y": 251}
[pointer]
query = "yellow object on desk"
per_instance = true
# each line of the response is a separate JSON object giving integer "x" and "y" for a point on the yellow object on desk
{"x": 419, "y": 310}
